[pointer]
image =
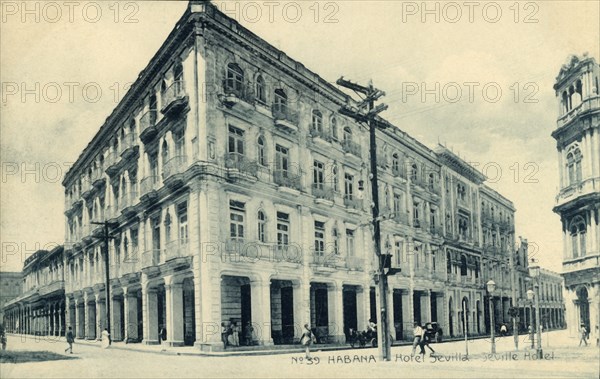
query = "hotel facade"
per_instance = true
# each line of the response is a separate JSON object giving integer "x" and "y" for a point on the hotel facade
{"x": 578, "y": 201}
{"x": 234, "y": 191}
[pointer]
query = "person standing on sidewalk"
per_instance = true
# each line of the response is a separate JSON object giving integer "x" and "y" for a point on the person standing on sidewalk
{"x": 583, "y": 335}
{"x": 70, "y": 340}
{"x": 3, "y": 337}
{"x": 105, "y": 339}
{"x": 417, "y": 333}
{"x": 308, "y": 338}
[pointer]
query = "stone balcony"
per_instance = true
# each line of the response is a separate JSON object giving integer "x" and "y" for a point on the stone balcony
{"x": 173, "y": 170}
{"x": 285, "y": 119}
{"x": 233, "y": 96}
{"x": 323, "y": 194}
{"x": 287, "y": 179}
{"x": 587, "y": 105}
{"x": 174, "y": 98}
{"x": 148, "y": 128}
{"x": 240, "y": 167}
{"x": 351, "y": 148}
{"x": 128, "y": 145}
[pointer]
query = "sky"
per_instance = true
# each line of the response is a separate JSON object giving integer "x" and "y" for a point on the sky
{"x": 475, "y": 76}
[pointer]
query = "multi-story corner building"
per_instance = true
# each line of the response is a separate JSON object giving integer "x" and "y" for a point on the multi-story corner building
{"x": 578, "y": 201}
{"x": 234, "y": 191}
{"x": 11, "y": 287}
{"x": 40, "y": 309}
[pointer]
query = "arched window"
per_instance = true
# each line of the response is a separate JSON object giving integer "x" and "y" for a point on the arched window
{"x": 574, "y": 165}
{"x": 178, "y": 73}
{"x": 414, "y": 172}
{"x": 317, "y": 122}
{"x": 565, "y": 102}
{"x": 261, "y": 93}
{"x": 448, "y": 263}
{"x": 578, "y": 237}
{"x": 334, "y": 129}
{"x": 125, "y": 249}
{"x": 334, "y": 178}
{"x": 463, "y": 265}
{"x": 234, "y": 79}
{"x": 262, "y": 154}
{"x": 167, "y": 227}
{"x": 347, "y": 134}
{"x": 395, "y": 164}
{"x": 164, "y": 154}
{"x": 280, "y": 101}
{"x": 262, "y": 226}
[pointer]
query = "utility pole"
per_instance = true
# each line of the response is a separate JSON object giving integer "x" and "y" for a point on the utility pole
{"x": 366, "y": 112}
{"x": 106, "y": 238}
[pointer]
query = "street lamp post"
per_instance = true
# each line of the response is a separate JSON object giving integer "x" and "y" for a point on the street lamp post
{"x": 530, "y": 296}
{"x": 491, "y": 286}
{"x": 535, "y": 273}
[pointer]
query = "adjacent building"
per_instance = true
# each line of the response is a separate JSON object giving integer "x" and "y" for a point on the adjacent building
{"x": 40, "y": 309}
{"x": 11, "y": 287}
{"x": 578, "y": 201}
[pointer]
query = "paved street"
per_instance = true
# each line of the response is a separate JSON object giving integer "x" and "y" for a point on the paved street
{"x": 564, "y": 360}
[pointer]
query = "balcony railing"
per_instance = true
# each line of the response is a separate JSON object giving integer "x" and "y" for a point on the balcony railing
{"x": 321, "y": 191}
{"x": 284, "y": 116}
{"x": 585, "y": 105}
{"x": 174, "y": 166}
{"x": 176, "y": 249}
{"x": 241, "y": 163}
{"x": 149, "y": 184}
{"x": 401, "y": 217}
{"x": 173, "y": 94}
{"x": 131, "y": 262}
{"x": 127, "y": 143}
{"x": 287, "y": 253}
{"x": 353, "y": 148}
{"x": 232, "y": 95}
{"x": 285, "y": 178}
{"x": 355, "y": 263}
{"x": 148, "y": 120}
{"x": 129, "y": 199}
{"x": 352, "y": 202}
{"x": 151, "y": 258}
{"x": 320, "y": 134}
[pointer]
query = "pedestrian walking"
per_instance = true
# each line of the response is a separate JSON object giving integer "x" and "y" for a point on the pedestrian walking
{"x": 224, "y": 333}
{"x": 308, "y": 338}
{"x": 70, "y": 340}
{"x": 3, "y": 337}
{"x": 417, "y": 334}
{"x": 583, "y": 335}
{"x": 105, "y": 339}
{"x": 425, "y": 340}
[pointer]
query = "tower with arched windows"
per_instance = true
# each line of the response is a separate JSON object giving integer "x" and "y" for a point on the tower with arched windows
{"x": 578, "y": 200}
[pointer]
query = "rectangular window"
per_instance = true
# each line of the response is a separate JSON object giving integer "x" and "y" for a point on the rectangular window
{"x": 349, "y": 186}
{"x": 319, "y": 238}
{"x": 235, "y": 141}
{"x": 397, "y": 205}
{"x": 182, "y": 219}
{"x": 153, "y": 162}
{"x": 398, "y": 246}
{"x": 156, "y": 233}
{"x": 283, "y": 229}
{"x": 350, "y": 242}
{"x": 282, "y": 160}
{"x": 179, "y": 139}
{"x": 318, "y": 174}
{"x": 236, "y": 220}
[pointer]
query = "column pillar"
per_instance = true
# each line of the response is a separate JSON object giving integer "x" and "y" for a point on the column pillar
{"x": 100, "y": 316}
{"x": 407, "y": 313}
{"x": 174, "y": 306}
{"x": 130, "y": 315}
{"x": 335, "y": 312}
{"x": 390, "y": 313}
{"x": 361, "y": 311}
{"x": 149, "y": 307}
{"x": 301, "y": 307}
{"x": 261, "y": 309}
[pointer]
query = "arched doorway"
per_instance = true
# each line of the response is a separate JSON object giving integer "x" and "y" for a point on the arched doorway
{"x": 583, "y": 305}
